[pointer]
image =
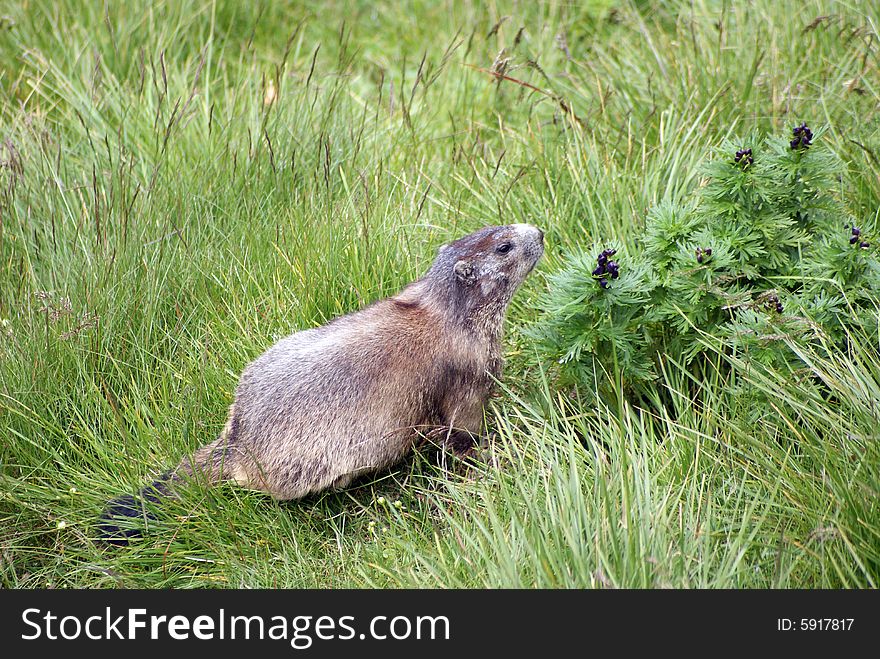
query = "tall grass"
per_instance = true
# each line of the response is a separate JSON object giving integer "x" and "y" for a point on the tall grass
{"x": 184, "y": 184}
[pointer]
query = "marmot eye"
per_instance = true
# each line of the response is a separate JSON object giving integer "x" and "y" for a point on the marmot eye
{"x": 503, "y": 248}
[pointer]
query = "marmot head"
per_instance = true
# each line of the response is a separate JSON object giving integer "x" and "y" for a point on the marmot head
{"x": 482, "y": 271}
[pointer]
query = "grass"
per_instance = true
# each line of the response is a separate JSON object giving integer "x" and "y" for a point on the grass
{"x": 183, "y": 185}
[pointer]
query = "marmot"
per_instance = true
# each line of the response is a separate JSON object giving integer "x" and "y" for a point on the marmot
{"x": 325, "y": 405}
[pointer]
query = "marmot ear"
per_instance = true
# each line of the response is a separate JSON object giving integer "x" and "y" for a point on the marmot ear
{"x": 464, "y": 272}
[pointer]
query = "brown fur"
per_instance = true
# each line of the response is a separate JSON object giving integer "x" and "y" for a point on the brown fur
{"x": 325, "y": 405}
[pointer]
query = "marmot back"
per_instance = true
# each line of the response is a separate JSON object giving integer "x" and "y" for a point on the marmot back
{"x": 325, "y": 405}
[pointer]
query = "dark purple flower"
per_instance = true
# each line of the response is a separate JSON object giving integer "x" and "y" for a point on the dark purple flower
{"x": 802, "y": 137}
{"x": 857, "y": 237}
{"x": 703, "y": 253}
{"x": 606, "y": 269}
{"x": 743, "y": 157}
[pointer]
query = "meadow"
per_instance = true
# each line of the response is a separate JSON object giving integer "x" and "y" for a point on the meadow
{"x": 184, "y": 182}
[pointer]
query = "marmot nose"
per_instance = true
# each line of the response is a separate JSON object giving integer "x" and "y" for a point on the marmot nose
{"x": 528, "y": 230}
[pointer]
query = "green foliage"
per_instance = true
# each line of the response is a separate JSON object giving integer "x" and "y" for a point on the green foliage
{"x": 591, "y": 322}
{"x": 763, "y": 252}
{"x": 163, "y": 221}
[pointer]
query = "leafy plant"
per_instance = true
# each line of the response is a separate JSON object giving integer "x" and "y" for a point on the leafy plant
{"x": 763, "y": 251}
